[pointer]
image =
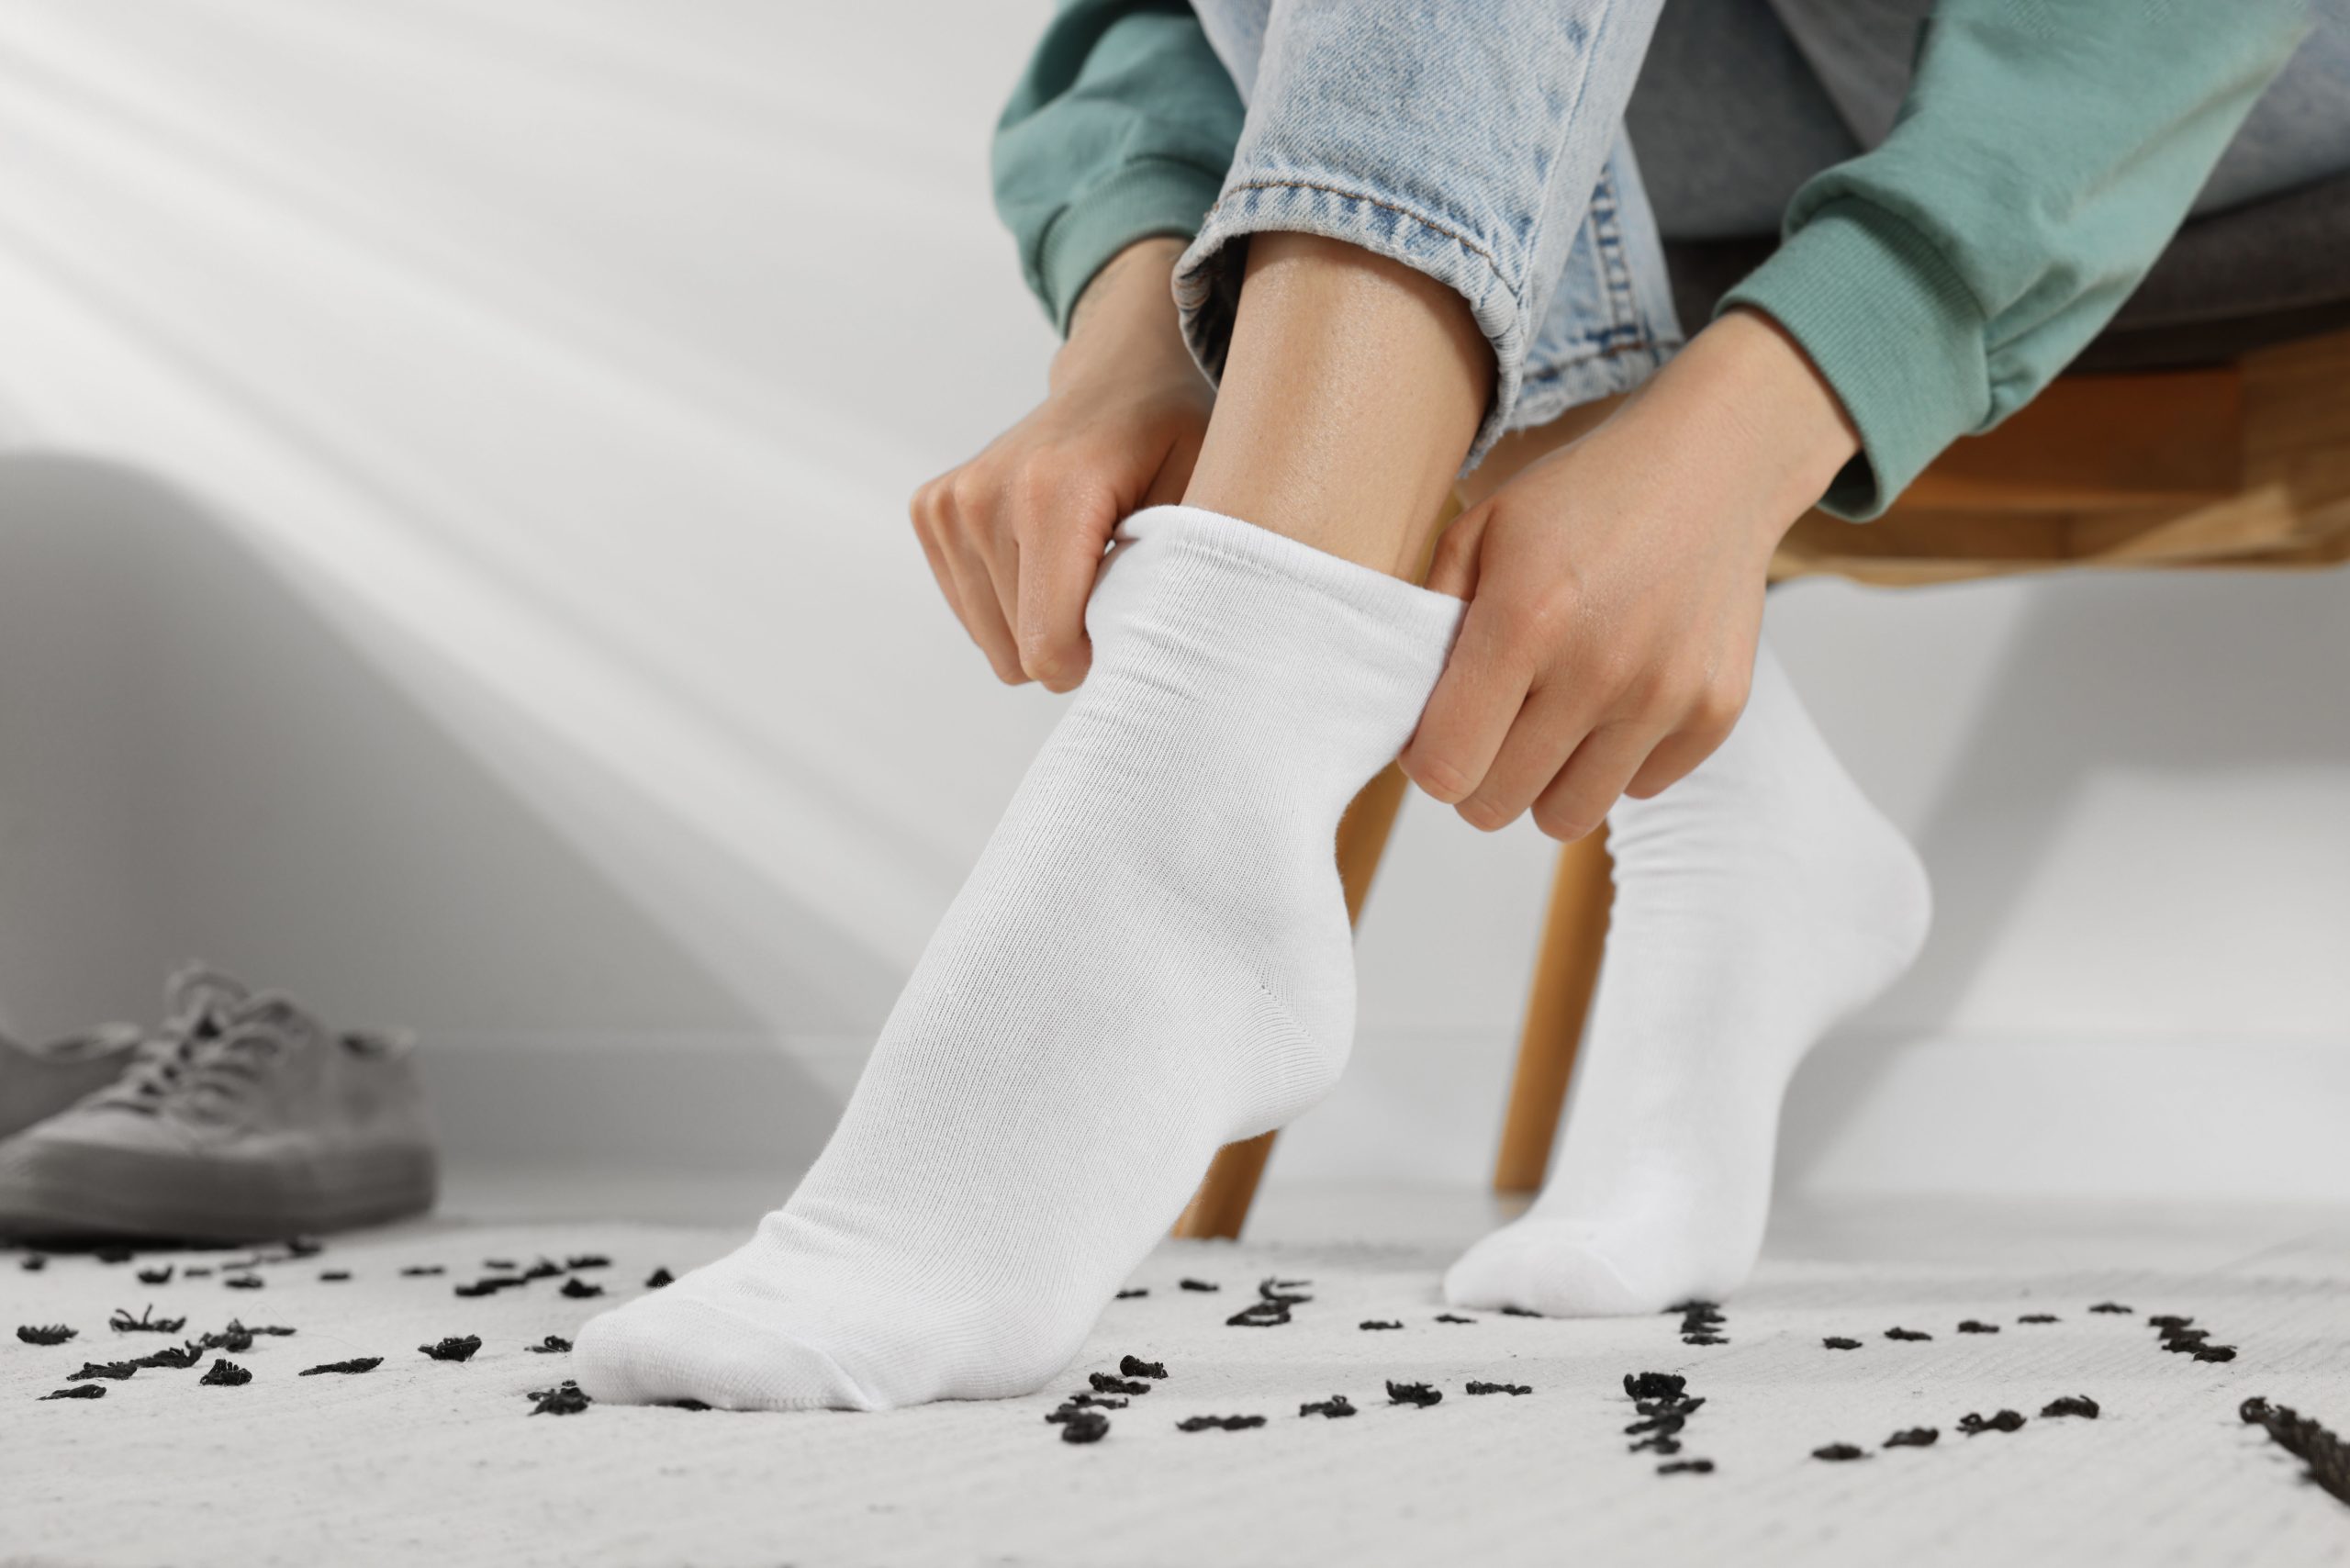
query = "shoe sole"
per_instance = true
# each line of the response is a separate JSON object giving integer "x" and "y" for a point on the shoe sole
{"x": 93, "y": 1195}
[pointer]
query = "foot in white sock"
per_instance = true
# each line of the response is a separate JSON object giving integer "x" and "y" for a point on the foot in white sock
{"x": 1757, "y": 902}
{"x": 1151, "y": 960}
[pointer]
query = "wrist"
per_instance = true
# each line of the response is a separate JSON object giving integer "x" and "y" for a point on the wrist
{"x": 1124, "y": 319}
{"x": 1795, "y": 423}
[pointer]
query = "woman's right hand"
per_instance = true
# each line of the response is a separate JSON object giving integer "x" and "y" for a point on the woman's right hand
{"x": 1015, "y": 535}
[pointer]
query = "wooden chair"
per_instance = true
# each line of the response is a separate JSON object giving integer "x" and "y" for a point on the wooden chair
{"x": 2209, "y": 427}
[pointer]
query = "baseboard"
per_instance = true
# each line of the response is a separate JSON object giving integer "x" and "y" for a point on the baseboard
{"x": 2250, "y": 1120}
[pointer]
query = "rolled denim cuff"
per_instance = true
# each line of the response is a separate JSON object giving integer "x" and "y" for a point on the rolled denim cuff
{"x": 1207, "y": 280}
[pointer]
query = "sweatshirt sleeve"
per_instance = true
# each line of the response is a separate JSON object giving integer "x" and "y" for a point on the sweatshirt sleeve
{"x": 2047, "y": 152}
{"x": 1121, "y": 128}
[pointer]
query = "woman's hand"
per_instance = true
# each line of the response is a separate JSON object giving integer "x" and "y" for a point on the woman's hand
{"x": 1616, "y": 587}
{"x": 1015, "y": 535}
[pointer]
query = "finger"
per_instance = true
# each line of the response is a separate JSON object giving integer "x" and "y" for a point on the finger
{"x": 981, "y": 609}
{"x": 1540, "y": 743}
{"x": 1675, "y": 757}
{"x": 1476, "y": 700}
{"x": 928, "y": 510}
{"x": 1577, "y": 800}
{"x": 1454, "y": 569}
{"x": 1057, "y": 570}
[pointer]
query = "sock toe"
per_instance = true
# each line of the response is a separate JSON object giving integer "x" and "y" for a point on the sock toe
{"x": 659, "y": 1350}
{"x": 1553, "y": 1267}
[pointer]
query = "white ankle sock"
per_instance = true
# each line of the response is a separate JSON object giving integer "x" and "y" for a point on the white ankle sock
{"x": 1150, "y": 959}
{"x": 1757, "y": 902}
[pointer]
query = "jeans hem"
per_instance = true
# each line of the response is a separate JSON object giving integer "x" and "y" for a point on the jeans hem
{"x": 1207, "y": 280}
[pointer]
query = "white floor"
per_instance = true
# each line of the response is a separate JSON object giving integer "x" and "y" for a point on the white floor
{"x": 421, "y": 1461}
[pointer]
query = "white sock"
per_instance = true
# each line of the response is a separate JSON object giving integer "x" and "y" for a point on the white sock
{"x": 1757, "y": 902}
{"x": 1151, "y": 960}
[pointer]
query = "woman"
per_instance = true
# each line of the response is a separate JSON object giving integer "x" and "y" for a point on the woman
{"x": 1395, "y": 240}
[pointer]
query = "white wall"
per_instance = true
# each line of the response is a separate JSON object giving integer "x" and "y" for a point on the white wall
{"x": 453, "y": 563}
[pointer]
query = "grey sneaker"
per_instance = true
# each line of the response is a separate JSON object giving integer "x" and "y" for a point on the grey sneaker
{"x": 36, "y": 1082}
{"x": 251, "y": 1123}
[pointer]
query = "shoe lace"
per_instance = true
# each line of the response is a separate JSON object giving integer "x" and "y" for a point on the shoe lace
{"x": 213, "y": 1064}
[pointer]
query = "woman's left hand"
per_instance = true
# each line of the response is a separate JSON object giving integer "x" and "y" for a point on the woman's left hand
{"x": 1616, "y": 587}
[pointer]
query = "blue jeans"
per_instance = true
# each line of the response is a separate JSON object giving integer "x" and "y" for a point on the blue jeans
{"x": 1493, "y": 154}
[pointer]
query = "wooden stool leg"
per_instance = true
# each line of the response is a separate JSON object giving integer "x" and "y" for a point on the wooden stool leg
{"x": 1565, "y": 971}
{"x": 1220, "y": 1206}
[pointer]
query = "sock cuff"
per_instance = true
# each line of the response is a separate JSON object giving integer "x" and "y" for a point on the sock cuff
{"x": 1417, "y": 613}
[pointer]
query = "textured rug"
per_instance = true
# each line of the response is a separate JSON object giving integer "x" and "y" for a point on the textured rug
{"x": 419, "y": 1460}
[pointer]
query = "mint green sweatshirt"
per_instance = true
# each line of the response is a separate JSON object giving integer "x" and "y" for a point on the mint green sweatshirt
{"x": 2046, "y": 151}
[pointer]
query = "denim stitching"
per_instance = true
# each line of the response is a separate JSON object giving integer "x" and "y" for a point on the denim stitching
{"x": 1458, "y": 238}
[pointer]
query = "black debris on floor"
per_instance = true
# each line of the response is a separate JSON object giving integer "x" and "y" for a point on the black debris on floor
{"x": 580, "y": 1290}
{"x": 355, "y": 1365}
{"x": 1512, "y": 1388}
{"x": 145, "y": 1323}
{"x": 1663, "y": 1405}
{"x": 1835, "y": 1342}
{"x": 174, "y": 1357}
{"x": 1699, "y": 1322}
{"x": 681, "y": 1404}
{"x": 195, "y": 1273}
{"x": 45, "y": 1333}
{"x": 1974, "y": 1424}
{"x": 2180, "y": 1337}
{"x": 225, "y": 1374}
{"x": 1838, "y": 1452}
{"x": 1085, "y": 1427}
{"x": 1082, "y": 1401}
{"x": 1685, "y": 1467}
{"x": 275, "y": 1330}
{"x": 243, "y": 1282}
{"x": 1104, "y": 1383}
{"x": 453, "y": 1349}
{"x": 1271, "y": 1307}
{"x": 2325, "y": 1454}
{"x": 588, "y": 1260}
{"x": 422, "y": 1271}
{"x": 1915, "y": 1437}
{"x": 1452, "y": 1318}
{"x": 230, "y": 1338}
{"x": 566, "y": 1400}
{"x": 2072, "y": 1405}
{"x": 334, "y": 1276}
{"x": 1135, "y": 1366}
{"x": 34, "y": 1262}
{"x": 499, "y": 1263}
{"x": 1198, "y": 1285}
{"x": 2038, "y": 1317}
{"x": 1130, "y": 1293}
{"x": 303, "y": 1247}
{"x": 492, "y": 1285}
{"x": 113, "y": 1372}
{"x": 1972, "y": 1326}
{"x": 659, "y": 1277}
{"x": 2111, "y": 1306}
{"x": 80, "y": 1391}
{"x": 1907, "y": 1334}
{"x": 1380, "y": 1323}
{"x": 1218, "y": 1423}
{"x": 544, "y": 1269}
{"x": 113, "y": 1254}
{"x": 1520, "y": 1312}
{"x": 553, "y": 1345}
{"x": 161, "y": 1276}
{"x": 1419, "y": 1394}
{"x": 1333, "y": 1407}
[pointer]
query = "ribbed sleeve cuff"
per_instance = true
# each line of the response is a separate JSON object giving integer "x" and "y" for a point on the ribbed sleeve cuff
{"x": 1148, "y": 198}
{"x": 1899, "y": 336}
